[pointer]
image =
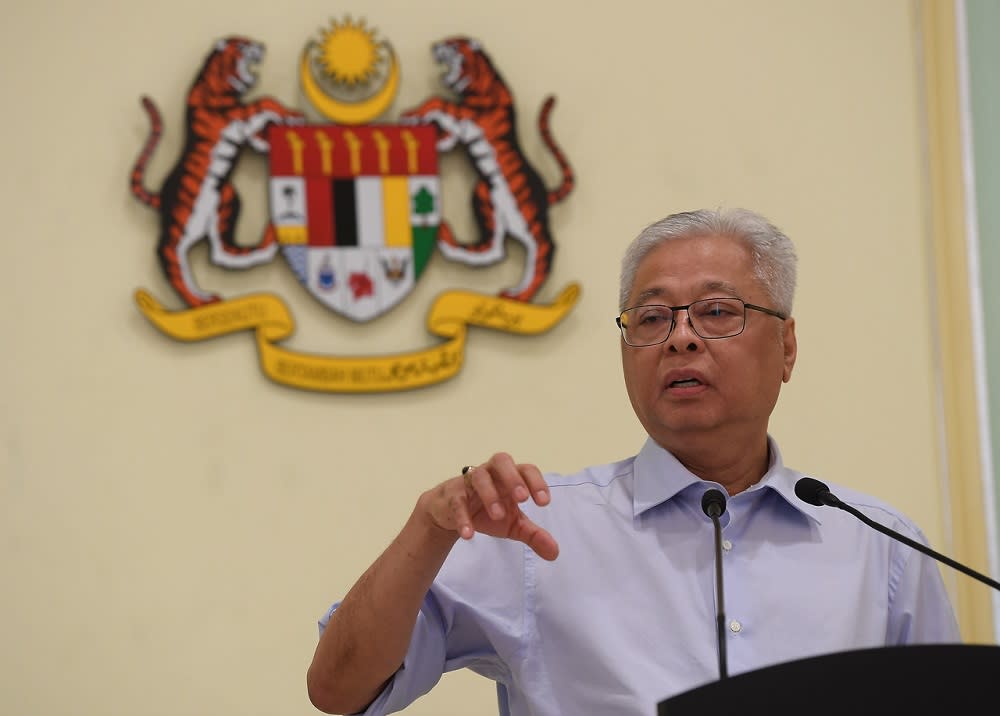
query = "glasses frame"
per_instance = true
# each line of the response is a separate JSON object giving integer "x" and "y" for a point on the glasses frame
{"x": 675, "y": 309}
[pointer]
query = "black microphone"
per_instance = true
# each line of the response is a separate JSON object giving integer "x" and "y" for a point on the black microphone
{"x": 816, "y": 493}
{"x": 713, "y": 503}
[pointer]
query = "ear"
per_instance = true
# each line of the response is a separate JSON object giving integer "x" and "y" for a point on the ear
{"x": 791, "y": 348}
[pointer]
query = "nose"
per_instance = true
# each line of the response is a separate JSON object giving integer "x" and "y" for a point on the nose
{"x": 683, "y": 336}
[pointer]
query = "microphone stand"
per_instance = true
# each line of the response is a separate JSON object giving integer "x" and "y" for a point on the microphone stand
{"x": 817, "y": 493}
{"x": 916, "y": 545}
{"x": 713, "y": 503}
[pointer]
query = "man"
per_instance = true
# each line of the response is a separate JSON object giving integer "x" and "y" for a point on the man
{"x": 594, "y": 593}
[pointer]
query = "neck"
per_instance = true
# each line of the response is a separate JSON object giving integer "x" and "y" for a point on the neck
{"x": 736, "y": 465}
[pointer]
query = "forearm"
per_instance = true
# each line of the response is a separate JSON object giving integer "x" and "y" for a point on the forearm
{"x": 369, "y": 633}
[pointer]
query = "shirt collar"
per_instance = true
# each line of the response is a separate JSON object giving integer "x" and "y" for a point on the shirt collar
{"x": 659, "y": 477}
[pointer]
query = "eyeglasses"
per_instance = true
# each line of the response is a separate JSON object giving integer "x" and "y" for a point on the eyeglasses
{"x": 709, "y": 318}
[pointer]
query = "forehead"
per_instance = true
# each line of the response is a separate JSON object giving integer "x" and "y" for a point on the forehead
{"x": 690, "y": 268}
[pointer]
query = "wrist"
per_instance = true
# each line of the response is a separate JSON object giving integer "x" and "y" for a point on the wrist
{"x": 427, "y": 530}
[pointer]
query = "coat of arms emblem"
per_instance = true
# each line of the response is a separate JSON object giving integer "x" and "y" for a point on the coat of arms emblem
{"x": 356, "y": 211}
{"x": 355, "y": 204}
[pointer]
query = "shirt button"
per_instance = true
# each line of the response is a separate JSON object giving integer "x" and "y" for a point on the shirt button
{"x": 735, "y": 627}
{"x": 727, "y": 545}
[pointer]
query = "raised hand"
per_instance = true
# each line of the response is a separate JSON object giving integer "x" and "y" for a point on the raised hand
{"x": 487, "y": 499}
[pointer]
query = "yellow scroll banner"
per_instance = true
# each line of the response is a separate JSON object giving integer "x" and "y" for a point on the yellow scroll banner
{"x": 268, "y": 316}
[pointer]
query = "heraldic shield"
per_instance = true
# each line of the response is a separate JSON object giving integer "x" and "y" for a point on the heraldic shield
{"x": 356, "y": 210}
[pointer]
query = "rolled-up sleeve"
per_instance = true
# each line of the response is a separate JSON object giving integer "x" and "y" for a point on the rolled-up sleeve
{"x": 422, "y": 666}
{"x": 471, "y": 618}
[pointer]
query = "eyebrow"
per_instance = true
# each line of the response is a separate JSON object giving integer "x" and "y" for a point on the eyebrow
{"x": 658, "y": 292}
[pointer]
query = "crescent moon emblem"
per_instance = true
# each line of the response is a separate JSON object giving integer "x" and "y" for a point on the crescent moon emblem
{"x": 349, "y": 112}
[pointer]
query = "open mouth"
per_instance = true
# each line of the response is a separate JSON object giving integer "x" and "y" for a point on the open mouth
{"x": 685, "y": 383}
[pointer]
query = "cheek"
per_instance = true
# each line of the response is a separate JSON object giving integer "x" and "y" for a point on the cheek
{"x": 640, "y": 374}
{"x": 766, "y": 375}
{"x": 638, "y": 366}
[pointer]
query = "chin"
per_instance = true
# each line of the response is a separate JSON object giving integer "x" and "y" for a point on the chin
{"x": 681, "y": 421}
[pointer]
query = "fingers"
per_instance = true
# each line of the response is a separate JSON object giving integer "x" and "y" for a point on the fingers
{"x": 459, "y": 504}
{"x": 485, "y": 498}
{"x": 508, "y": 522}
{"x": 500, "y": 478}
{"x": 535, "y": 483}
{"x": 488, "y": 483}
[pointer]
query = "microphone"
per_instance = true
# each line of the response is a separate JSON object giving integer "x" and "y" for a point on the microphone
{"x": 713, "y": 504}
{"x": 816, "y": 493}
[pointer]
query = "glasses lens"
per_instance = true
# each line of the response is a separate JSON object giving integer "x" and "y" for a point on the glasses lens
{"x": 646, "y": 325}
{"x": 717, "y": 317}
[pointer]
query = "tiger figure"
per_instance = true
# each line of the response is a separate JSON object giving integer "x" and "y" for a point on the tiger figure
{"x": 197, "y": 200}
{"x": 510, "y": 197}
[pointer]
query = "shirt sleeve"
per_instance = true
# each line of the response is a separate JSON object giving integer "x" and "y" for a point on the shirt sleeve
{"x": 422, "y": 667}
{"x": 467, "y": 619}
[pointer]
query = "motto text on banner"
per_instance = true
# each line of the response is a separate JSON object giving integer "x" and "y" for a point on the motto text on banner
{"x": 268, "y": 316}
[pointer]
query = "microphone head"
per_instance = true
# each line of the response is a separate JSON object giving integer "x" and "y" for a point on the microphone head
{"x": 812, "y": 491}
{"x": 713, "y": 503}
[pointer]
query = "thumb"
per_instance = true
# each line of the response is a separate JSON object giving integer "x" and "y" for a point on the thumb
{"x": 539, "y": 539}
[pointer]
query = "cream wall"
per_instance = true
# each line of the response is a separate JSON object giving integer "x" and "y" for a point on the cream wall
{"x": 172, "y": 524}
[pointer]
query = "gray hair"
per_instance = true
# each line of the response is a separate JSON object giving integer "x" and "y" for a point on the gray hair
{"x": 772, "y": 252}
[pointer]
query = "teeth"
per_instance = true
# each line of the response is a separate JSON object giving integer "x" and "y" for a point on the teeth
{"x": 686, "y": 383}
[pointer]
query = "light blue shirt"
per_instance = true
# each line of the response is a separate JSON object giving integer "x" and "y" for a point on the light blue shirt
{"x": 625, "y": 616}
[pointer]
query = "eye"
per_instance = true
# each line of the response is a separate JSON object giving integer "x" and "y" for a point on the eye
{"x": 718, "y": 309}
{"x": 653, "y": 316}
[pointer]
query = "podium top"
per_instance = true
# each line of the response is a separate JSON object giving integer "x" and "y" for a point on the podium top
{"x": 925, "y": 678}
